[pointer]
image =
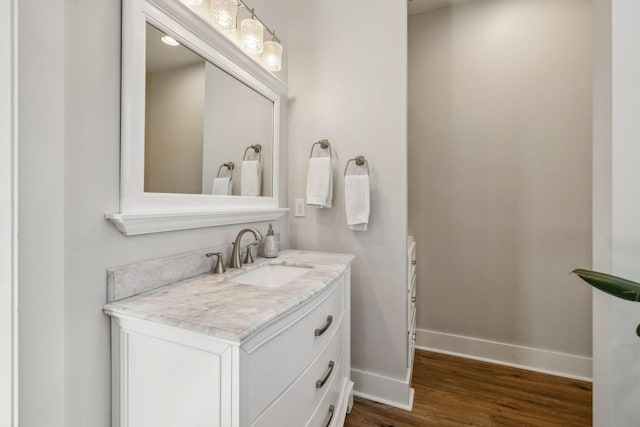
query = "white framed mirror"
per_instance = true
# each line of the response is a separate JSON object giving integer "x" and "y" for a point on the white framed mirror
{"x": 200, "y": 125}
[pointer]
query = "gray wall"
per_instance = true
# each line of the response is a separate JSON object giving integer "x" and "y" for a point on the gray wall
{"x": 174, "y": 116}
{"x": 41, "y": 255}
{"x": 500, "y": 170}
{"x": 347, "y": 83}
{"x": 69, "y": 173}
{"x": 602, "y": 319}
{"x": 236, "y": 116}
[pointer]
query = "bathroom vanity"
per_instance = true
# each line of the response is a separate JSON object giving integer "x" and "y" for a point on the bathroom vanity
{"x": 264, "y": 345}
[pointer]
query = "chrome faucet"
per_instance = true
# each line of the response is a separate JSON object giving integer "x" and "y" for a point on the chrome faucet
{"x": 236, "y": 261}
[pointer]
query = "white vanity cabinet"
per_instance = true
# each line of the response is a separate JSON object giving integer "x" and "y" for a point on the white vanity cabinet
{"x": 292, "y": 371}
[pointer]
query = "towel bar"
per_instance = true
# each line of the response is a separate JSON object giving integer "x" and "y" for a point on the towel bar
{"x": 359, "y": 161}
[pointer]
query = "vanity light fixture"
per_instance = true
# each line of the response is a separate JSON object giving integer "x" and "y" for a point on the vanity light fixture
{"x": 169, "y": 41}
{"x": 224, "y": 14}
{"x": 272, "y": 56}
{"x": 252, "y": 35}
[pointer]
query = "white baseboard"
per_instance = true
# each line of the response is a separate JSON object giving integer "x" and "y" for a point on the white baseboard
{"x": 381, "y": 389}
{"x": 532, "y": 359}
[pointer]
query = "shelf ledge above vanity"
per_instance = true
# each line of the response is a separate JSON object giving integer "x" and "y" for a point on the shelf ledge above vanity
{"x": 132, "y": 224}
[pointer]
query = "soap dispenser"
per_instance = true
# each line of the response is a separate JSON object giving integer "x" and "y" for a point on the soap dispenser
{"x": 271, "y": 244}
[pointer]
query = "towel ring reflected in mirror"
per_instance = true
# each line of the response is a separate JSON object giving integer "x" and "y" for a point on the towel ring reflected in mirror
{"x": 358, "y": 161}
{"x": 257, "y": 148}
{"x": 229, "y": 165}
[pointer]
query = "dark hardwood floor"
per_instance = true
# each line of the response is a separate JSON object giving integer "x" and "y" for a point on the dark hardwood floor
{"x": 453, "y": 391}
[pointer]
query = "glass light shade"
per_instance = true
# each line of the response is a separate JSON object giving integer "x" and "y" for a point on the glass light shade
{"x": 223, "y": 14}
{"x": 272, "y": 56}
{"x": 192, "y": 3}
{"x": 251, "y": 36}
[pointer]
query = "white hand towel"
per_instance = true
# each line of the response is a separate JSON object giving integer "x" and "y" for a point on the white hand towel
{"x": 222, "y": 186}
{"x": 251, "y": 178}
{"x": 357, "y": 204}
{"x": 320, "y": 182}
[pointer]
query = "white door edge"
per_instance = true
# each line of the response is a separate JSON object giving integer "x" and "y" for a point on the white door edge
{"x": 8, "y": 217}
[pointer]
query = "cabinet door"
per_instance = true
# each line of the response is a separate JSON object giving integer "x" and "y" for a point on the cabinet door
{"x": 165, "y": 383}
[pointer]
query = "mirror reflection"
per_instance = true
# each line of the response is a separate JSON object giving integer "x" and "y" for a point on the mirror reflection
{"x": 205, "y": 131}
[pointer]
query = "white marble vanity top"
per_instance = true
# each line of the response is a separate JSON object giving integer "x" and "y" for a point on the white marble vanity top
{"x": 213, "y": 304}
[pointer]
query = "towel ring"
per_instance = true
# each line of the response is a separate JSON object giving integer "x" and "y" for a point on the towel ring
{"x": 324, "y": 144}
{"x": 257, "y": 148}
{"x": 359, "y": 161}
{"x": 229, "y": 166}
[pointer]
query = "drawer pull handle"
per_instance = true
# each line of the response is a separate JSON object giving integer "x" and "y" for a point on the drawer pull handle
{"x": 331, "y": 411}
{"x": 324, "y": 327}
{"x": 324, "y": 379}
{"x": 413, "y": 262}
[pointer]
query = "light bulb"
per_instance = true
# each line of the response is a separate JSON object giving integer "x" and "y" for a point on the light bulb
{"x": 192, "y": 3}
{"x": 272, "y": 56}
{"x": 251, "y": 36}
{"x": 223, "y": 14}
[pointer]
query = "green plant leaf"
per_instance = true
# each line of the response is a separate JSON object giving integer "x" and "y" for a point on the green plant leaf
{"x": 616, "y": 286}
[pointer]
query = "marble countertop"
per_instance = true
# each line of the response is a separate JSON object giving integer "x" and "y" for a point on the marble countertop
{"x": 213, "y": 304}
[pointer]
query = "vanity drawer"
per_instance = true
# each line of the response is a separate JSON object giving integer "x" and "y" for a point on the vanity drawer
{"x": 412, "y": 320}
{"x": 411, "y": 258}
{"x": 411, "y": 339}
{"x": 330, "y": 412}
{"x": 411, "y": 352}
{"x": 293, "y": 407}
{"x": 412, "y": 291}
{"x": 274, "y": 365}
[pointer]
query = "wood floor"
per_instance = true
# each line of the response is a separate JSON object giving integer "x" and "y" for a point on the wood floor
{"x": 452, "y": 391}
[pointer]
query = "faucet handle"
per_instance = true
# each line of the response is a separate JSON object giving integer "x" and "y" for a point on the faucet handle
{"x": 219, "y": 268}
{"x": 248, "y": 258}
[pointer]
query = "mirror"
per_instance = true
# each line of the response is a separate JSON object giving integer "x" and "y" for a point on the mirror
{"x": 206, "y": 132}
{"x": 193, "y": 112}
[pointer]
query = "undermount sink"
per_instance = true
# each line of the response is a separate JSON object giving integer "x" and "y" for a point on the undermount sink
{"x": 270, "y": 275}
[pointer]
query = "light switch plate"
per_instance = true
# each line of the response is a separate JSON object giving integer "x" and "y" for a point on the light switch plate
{"x": 299, "y": 207}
